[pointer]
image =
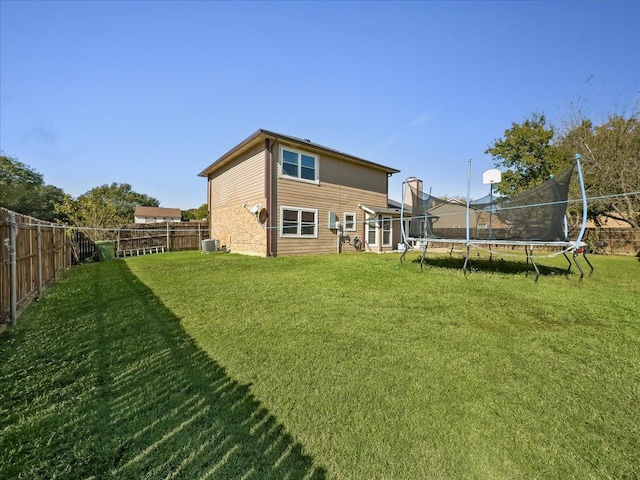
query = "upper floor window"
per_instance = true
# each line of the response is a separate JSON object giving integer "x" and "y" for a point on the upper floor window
{"x": 299, "y": 165}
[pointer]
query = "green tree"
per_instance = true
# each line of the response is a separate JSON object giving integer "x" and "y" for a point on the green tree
{"x": 104, "y": 207}
{"x": 23, "y": 190}
{"x": 42, "y": 204}
{"x": 532, "y": 151}
{"x": 526, "y": 155}
{"x": 611, "y": 165}
{"x": 200, "y": 213}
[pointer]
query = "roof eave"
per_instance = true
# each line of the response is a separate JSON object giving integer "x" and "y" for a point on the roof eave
{"x": 261, "y": 133}
{"x": 380, "y": 210}
{"x": 244, "y": 144}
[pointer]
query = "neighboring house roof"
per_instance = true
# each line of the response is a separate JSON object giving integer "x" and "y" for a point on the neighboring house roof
{"x": 261, "y": 135}
{"x": 157, "y": 212}
{"x": 453, "y": 205}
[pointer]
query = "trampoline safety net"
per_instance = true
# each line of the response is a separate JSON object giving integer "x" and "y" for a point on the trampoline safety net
{"x": 535, "y": 215}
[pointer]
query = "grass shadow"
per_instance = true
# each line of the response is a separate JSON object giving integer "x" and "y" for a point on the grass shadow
{"x": 108, "y": 384}
{"x": 497, "y": 265}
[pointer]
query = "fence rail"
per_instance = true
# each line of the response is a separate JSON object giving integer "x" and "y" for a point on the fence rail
{"x": 614, "y": 241}
{"x": 34, "y": 253}
{"x": 173, "y": 236}
{"x": 82, "y": 247}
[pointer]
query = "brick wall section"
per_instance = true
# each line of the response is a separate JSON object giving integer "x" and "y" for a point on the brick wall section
{"x": 238, "y": 230}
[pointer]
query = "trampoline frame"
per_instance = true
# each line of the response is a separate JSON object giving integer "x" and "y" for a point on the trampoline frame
{"x": 575, "y": 247}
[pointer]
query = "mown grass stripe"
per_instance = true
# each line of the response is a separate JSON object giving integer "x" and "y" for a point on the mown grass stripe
{"x": 350, "y": 366}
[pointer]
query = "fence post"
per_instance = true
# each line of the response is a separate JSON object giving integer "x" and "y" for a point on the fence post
{"x": 54, "y": 254}
{"x": 75, "y": 250}
{"x": 13, "y": 274}
{"x": 39, "y": 258}
{"x": 168, "y": 247}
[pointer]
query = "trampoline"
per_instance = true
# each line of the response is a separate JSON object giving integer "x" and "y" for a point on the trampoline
{"x": 532, "y": 219}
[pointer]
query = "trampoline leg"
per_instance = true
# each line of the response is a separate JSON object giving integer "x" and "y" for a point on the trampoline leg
{"x": 424, "y": 254}
{"x": 403, "y": 257}
{"x": 533, "y": 262}
{"x": 584, "y": 255}
{"x": 575, "y": 260}
{"x": 466, "y": 261}
{"x": 565, "y": 256}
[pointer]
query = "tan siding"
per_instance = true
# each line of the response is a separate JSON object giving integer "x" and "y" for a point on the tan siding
{"x": 326, "y": 197}
{"x": 397, "y": 232}
{"x": 343, "y": 186}
{"x": 238, "y": 183}
{"x": 451, "y": 215}
{"x": 338, "y": 172}
{"x": 239, "y": 180}
{"x": 341, "y": 171}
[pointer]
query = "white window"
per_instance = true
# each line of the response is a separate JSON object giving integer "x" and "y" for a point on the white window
{"x": 298, "y": 165}
{"x": 298, "y": 222}
{"x": 372, "y": 231}
{"x": 386, "y": 231}
{"x": 349, "y": 222}
{"x": 379, "y": 227}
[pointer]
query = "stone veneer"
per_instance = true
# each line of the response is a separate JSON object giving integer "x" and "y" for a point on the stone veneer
{"x": 238, "y": 230}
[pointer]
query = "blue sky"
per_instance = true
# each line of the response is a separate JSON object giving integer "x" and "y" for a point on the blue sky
{"x": 150, "y": 93}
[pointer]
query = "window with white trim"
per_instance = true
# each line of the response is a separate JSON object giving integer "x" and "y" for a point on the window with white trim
{"x": 372, "y": 230}
{"x": 298, "y": 222}
{"x": 298, "y": 165}
{"x": 386, "y": 231}
{"x": 349, "y": 222}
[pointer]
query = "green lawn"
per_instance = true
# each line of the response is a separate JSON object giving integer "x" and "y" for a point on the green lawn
{"x": 186, "y": 365}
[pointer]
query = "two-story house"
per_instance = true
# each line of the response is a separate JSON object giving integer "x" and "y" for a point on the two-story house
{"x": 274, "y": 194}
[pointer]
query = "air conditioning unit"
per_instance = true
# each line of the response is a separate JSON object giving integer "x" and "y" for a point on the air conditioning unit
{"x": 210, "y": 245}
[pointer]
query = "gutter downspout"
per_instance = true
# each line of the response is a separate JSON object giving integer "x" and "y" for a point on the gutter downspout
{"x": 268, "y": 194}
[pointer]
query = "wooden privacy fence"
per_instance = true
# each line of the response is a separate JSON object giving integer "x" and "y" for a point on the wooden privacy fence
{"x": 614, "y": 241}
{"x": 151, "y": 237}
{"x": 34, "y": 253}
